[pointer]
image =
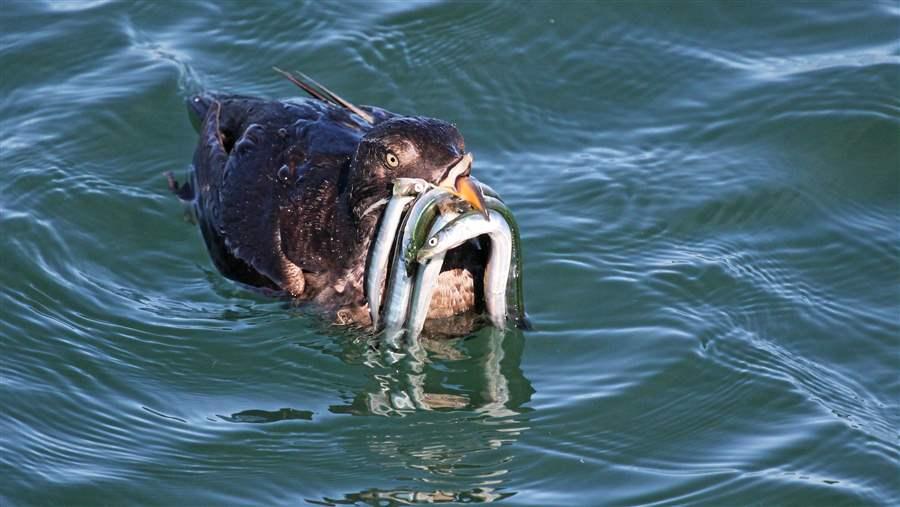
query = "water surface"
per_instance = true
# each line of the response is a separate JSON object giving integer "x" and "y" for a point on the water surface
{"x": 710, "y": 201}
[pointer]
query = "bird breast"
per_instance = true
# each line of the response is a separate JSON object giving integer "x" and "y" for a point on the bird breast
{"x": 454, "y": 294}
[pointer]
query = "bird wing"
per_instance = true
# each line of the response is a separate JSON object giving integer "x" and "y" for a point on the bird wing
{"x": 243, "y": 143}
{"x": 316, "y": 90}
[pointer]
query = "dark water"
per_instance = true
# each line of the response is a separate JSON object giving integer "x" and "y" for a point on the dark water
{"x": 710, "y": 200}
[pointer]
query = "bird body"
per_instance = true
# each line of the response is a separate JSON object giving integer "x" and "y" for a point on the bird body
{"x": 289, "y": 194}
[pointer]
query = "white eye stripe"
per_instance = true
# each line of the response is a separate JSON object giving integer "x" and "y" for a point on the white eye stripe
{"x": 453, "y": 172}
{"x": 457, "y": 169}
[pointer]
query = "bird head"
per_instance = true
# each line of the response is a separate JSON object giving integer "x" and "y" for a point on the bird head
{"x": 414, "y": 147}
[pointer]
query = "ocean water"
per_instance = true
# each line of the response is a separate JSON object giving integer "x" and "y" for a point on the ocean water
{"x": 709, "y": 194}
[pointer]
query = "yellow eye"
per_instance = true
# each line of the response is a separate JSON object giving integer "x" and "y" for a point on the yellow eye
{"x": 391, "y": 160}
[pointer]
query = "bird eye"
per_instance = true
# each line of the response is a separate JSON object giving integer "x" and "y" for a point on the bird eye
{"x": 391, "y": 160}
{"x": 432, "y": 241}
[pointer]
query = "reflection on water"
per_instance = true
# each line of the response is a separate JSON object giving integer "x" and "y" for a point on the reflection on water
{"x": 463, "y": 400}
{"x": 268, "y": 416}
{"x": 406, "y": 496}
{"x": 708, "y": 199}
{"x": 481, "y": 374}
{"x": 477, "y": 381}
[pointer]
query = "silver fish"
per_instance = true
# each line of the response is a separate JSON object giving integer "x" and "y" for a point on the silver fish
{"x": 397, "y": 301}
{"x": 405, "y": 190}
{"x": 516, "y": 290}
{"x": 426, "y": 281}
{"x": 470, "y": 225}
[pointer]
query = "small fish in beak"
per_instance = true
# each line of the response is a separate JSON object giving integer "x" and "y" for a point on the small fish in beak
{"x": 458, "y": 183}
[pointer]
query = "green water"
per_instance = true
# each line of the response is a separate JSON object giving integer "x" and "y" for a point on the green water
{"x": 709, "y": 196}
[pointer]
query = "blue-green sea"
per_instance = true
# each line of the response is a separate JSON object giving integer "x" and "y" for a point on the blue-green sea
{"x": 709, "y": 198}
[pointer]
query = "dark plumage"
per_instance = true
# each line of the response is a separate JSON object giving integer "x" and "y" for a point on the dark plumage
{"x": 288, "y": 194}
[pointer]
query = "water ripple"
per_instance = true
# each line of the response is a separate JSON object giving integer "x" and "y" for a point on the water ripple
{"x": 708, "y": 197}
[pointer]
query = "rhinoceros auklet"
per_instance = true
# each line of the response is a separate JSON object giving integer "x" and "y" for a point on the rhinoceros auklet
{"x": 288, "y": 195}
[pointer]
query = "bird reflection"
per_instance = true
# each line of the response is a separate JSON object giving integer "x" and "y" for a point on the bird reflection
{"x": 464, "y": 401}
{"x": 479, "y": 374}
{"x": 383, "y": 498}
{"x": 458, "y": 457}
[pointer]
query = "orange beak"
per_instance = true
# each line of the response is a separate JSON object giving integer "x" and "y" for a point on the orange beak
{"x": 458, "y": 183}
{"x": 471, "y": 193}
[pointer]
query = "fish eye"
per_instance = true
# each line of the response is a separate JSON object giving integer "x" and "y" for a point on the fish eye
{"x": 432, "y": 241}
{"x": 391, "y": 160}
